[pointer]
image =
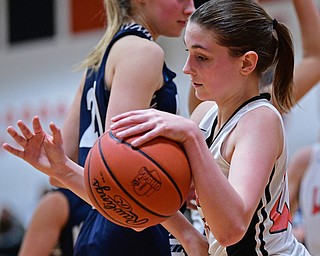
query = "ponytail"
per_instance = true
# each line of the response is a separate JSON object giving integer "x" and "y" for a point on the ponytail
{"x": 118, "y": 12}
{"x": 284, "y": 66}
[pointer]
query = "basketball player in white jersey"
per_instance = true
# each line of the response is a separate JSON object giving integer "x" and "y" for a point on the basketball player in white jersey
{"x": 238, "y": 151}
{"x": 304, "y": 184}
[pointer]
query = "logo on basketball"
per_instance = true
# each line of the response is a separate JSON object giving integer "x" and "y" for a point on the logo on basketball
{"x": 146, "y": 182}
{"x": 117, "y": 204}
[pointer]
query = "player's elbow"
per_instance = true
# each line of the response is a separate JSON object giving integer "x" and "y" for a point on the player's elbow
{"x": 138, "y": 229}
{"x": 231, "y": 236}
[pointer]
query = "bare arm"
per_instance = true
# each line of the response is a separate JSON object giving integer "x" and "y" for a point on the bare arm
{"x": 70, "y": 135}
{"x": 236, "y": 204}
{"x": 296, "y": 170}
{"x": 70, "y": 130}
{"x": 193, "y": 242}
{"x": 133, "y": 80}
{"x": 45, "y": 226}
{"x": 307, "y": 72}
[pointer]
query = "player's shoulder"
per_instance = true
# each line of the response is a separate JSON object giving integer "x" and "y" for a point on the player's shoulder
{"x": 139, "y": 54}
{"x": 56, "y": 197}
{"x": 132, "y": 46}
{"x": 266, "y": 114}
{"x": 200, "y": 111}
{"x": 265, "y": 122}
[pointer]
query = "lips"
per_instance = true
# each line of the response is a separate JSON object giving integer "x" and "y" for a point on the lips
{"x": 195, "y": 85}
{"x": 182, "y": 22}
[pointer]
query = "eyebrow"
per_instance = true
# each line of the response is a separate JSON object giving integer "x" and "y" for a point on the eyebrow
{"x": 196, "y": 46}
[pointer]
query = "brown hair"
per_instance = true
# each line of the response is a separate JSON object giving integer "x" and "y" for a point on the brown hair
{"x": 242, "y": 26}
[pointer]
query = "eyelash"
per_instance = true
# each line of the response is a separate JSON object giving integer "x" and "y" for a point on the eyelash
{"x": 199, "y": 56}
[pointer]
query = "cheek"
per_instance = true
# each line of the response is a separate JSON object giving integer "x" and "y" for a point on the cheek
{"x": 227, "y": 70}
{"x": 169, "y": 11}
{"x": 219, "y": 77}
{"x": 167, "y": 16}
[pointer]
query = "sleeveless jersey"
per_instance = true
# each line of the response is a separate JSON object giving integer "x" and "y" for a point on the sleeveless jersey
{"x": 78, "y": 211}
{"x": 98, "y": 236}
{"x": 269, "y": 232}
{"x": 309, "y": 201}
{"x": 95, "y": 97}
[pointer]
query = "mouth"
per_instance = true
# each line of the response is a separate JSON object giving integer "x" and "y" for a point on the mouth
{"x": 196, "y": 85}
{"x": 183, "y": 22}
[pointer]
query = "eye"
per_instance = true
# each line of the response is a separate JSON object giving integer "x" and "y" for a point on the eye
{"x": 201, "y": 57}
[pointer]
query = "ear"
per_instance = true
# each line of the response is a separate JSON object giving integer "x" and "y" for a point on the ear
{"x": 249, "y": 62}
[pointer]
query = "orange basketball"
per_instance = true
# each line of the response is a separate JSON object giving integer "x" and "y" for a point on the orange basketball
{"x": 137, "y": 187}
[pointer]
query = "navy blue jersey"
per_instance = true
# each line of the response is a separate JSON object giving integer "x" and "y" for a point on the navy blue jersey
{"x": 95, "y": 97}
{"x": 98, "y": 236}
{"x": 78, "y": 211}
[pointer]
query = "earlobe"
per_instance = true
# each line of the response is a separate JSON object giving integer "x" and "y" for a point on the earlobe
{"x": 249, "y": 62}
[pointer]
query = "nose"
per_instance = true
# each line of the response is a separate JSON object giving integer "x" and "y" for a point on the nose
{"x": 187, "y": 68}
{"x": 189, "y": 8}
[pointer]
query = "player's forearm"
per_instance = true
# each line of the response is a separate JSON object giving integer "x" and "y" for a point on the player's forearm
{"x": 309, "y": 20}
{"x": 73, "y": 179}
{"x": 191, "y": 239}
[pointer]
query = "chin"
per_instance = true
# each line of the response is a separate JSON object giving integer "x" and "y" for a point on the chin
{"x": 172, "y": 34}
{"x": 174, "y": 31}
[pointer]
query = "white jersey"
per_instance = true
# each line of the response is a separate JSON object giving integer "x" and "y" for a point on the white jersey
{"x": 310, "y": 201}
{"x": 269, "y": 232}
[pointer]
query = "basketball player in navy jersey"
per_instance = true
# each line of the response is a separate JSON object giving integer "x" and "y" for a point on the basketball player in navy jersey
{"x": 125, "y": 71}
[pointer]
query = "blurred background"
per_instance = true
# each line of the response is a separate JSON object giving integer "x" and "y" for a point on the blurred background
{"x": 42, "y": 40}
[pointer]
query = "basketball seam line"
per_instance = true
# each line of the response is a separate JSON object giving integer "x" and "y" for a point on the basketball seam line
{"x": 124, "y": 190}
{"x": 153, "y": 161}
{"x": 92, "y": 193}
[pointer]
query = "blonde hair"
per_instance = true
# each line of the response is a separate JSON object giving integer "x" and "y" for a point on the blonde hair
{"x": 118, "y": 12}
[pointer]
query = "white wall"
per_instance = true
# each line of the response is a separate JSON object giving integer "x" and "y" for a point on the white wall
{"x": 37, "y": 78}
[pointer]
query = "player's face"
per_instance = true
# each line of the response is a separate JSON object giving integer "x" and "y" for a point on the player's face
{"x": 213, "y": 72}
{"x": 167, "y": 17}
